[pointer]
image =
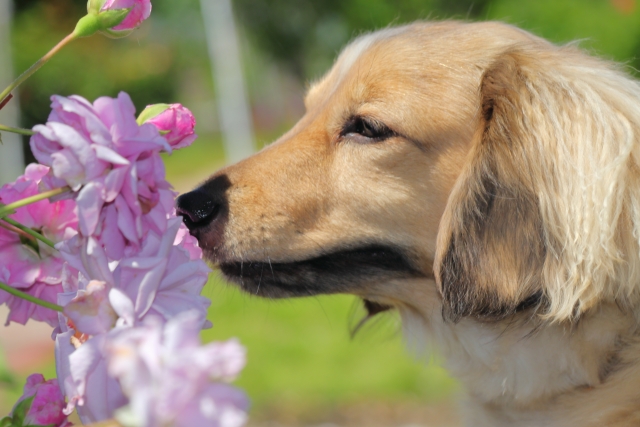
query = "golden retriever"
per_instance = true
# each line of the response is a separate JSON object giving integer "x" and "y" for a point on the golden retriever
{"x": 478, "y": 179}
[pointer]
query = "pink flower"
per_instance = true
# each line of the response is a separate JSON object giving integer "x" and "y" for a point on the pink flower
{"x": 82, "y": 373}
{"x": 25, "y": 263}
{"x": 117, "y": 18}
{"x": 140, "y": 11}
{"x": 171, "y": 379}
{"x": 161, "y": 281}
{"x": 46, "y": 406}
{"x": 175, "y": 119}
{"x": 189, "y": 243}
{"x": 113, "y": 166}
{"x": 131, "y": 268}
{"x": 90, "y": 310}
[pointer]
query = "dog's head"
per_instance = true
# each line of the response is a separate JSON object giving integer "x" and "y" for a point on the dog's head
{"x": 474, "y": 155}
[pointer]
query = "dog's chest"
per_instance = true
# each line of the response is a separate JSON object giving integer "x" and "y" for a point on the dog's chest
{"x": 518, "y": 370}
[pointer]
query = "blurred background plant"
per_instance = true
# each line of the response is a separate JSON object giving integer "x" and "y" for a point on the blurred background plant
{"x": 304, "y": 368}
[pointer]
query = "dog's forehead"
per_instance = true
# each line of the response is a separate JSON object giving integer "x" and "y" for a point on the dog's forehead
{"x": 434, "y": 52}
{"x": 354, "y": 58}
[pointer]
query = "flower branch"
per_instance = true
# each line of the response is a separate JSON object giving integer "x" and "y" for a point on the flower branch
{"x": 30, "y": 298}
{"x": 20, "y": 131}
{"x": 35, "y": 67}
{"x": 8, "y": 209}
{"x": 29, "y": 231}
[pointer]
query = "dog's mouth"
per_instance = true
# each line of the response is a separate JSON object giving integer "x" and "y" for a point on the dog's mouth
{"x": 341, "y": 271}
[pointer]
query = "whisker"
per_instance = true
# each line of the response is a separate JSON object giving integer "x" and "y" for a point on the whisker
{"x": 260, "y": 280}
{"x": 273, "y": 276}
{"x": 242, "y": 272}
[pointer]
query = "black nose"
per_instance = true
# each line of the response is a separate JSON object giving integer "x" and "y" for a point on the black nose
{"x": 197, "y": 208}
{"x": 205, "y": 204}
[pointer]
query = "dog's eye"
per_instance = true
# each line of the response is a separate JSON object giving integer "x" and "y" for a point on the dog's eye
{"x": 372, "y": 130}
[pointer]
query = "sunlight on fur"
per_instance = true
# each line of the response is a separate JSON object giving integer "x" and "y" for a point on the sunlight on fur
{"x": 483, "y": 182}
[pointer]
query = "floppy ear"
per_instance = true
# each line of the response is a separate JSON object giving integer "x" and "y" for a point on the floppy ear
{"x": 490, "y": 245}
{"x": 534, "y": 220}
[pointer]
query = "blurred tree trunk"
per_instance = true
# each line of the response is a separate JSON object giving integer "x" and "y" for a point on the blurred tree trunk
{"x": 231, "y": 96}
{"x": 11, "y": 156}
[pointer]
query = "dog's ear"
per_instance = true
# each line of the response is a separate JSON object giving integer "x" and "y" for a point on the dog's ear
{"x": 490, "y": 245}
{"x": 535, "y": 218}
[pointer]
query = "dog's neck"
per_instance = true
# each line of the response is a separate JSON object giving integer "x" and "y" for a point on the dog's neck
{"x": 517, "y": 372}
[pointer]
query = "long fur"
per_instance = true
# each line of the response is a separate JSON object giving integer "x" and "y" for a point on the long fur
{"x": 503, "y": 197}
{"x": 551, "y": 191}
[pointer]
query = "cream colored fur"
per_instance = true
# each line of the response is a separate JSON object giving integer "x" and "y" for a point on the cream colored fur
{"x": 512, "y": 182}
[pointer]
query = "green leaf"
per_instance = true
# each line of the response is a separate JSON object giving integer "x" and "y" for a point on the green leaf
{"x": 30, "y": 242}
{"x": 20, "y": 411}
{"x": 111, "y": 18}
{"x": 6, "y": 422}
{"x": 87, "y": 26}
{"x": 151, "y": 111}
{"x": 91, "y": 23}
{"x": 94, "y": 6}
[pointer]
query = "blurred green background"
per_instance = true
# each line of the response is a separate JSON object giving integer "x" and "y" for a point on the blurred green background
{"x": 303, "y": 366}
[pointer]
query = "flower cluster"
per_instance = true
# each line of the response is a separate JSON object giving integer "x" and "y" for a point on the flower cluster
{"x": 112, "y": 165}
{"x": 128, "y": 275}
{"x": 26, "y": 263}
{"x": 172, "y": 380}
{"x": 90, "y": 243}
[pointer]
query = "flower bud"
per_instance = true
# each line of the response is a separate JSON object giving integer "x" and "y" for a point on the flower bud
{"x": 175, "y": 122}
{"x": 115, "y": 18}
{"x": 40, "y": 405}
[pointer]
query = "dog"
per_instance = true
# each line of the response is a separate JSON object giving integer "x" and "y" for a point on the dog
{"x": 480, "y": 180}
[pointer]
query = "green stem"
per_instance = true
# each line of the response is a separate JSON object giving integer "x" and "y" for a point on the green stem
{"x": 16, "y": 130}
{"x": 29, "y": 231}
{"x": 35, "y": 67}
{"x": 8, "y": 209}
{"x": 38, "y": 301}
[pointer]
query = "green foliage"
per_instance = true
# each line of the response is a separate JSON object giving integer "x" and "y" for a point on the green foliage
{"x": 600, "y": 26}
{"x": 301, "y": 353}
{"x": 142, "y": 65}
{"x": 204, "y": 156}
{"x": 7, "y": 379}
{"x": 305, "y": 35}
{"x": 21, "y": 411}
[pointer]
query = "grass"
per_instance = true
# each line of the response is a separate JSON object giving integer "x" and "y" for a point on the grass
{"x": 206, "y": 154}
{"x": 300, "y": 352}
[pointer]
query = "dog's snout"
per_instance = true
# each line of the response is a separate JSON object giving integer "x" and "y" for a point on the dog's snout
{"x": 197, "y": 208}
